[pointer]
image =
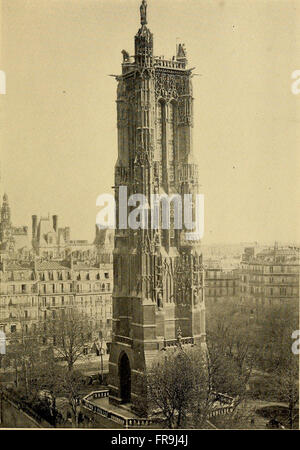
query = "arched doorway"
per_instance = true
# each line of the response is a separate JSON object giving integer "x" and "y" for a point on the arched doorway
{"x": 125, "y": 378}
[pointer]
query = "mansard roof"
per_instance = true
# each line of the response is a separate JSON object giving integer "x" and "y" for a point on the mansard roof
{"x": 16, "y": 265}
{"x": 52, "y": 265}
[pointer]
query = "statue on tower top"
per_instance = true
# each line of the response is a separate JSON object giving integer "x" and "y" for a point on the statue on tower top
{"x": 143, "y": 10}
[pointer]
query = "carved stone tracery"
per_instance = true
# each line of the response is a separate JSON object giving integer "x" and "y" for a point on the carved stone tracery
{"x": 168, "y": 85}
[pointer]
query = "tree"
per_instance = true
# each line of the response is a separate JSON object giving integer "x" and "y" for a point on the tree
{"x": 41, "y": 377}
{"x": 277, "y": 326}
{"x": 242, "y": 345}
{"x": 286, "y": 387}
{"x": 180, "y": 387}
{"x": 170, "y": 382}
{"x": 184, "y": 384}
{"x": 71, "y": 385}
{"x": 69, "y": 334}
{"x": 231, "y": 350}
{"x": 242, "y": 417}
{"x": 23, "y": 356}
{"x": 54, "y": 380}
{"x": 49, "y": 376}
{"x": 274, "y": 335}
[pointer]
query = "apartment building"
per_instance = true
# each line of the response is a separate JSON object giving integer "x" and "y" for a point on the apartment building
{"x": 220, "y": 284}
{"x": 270, "y": 277}
{"x": 36, "y": 291}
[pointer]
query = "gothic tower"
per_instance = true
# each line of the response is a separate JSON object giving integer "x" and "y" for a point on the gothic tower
{"x": 158, "y": 294}
{"x": 5, "y": 220}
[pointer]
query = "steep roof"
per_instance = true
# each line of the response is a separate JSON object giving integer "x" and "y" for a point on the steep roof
{"x": 52, "y": 265}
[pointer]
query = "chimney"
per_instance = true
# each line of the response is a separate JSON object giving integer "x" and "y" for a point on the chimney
{"x": 34, "y": 227}
{"x": 67, "y": 234}
{"x": 97, "y": 235}
{"x": 55, "y": 222}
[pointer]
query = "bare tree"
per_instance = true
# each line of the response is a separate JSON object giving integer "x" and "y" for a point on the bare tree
{"x": 71, "y": 385}
{"x": 277, "y": 326}
{"x": 54, "y": 380}
{"x": 170, "y": 387}
{"x": 49, "y": 376}
{"x": 242, "y": 344}
{"x": 69, "y": 335}
{"x": 180, "y": 387}
{"x": 230, "y": 342}
{"x": 23, "y": 356}
{"x": 184, "y": 385}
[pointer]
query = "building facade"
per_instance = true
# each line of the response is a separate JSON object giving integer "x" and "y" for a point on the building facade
{"x": 34, "y": 292}
{"x": 52, "y": 275}
{"x": 158, "y": 273}
{"x": 104, "y": 245}
{"x": 270, "y": 277}
{"x": 220, "y": 285}
{"x": 49, "y": 241}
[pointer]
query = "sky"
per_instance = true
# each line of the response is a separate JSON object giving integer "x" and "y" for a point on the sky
{"x": 58, "y": 117}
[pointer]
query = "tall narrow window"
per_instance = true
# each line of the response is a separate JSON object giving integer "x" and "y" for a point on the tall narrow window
{"x": 161, "y": 136}
{"x": 159, "y": 131}
{"x": 171, "y": 142}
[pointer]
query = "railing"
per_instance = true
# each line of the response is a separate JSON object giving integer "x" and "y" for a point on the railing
{"x": 169, "y": 63}
{"x": 223, "y": 398}
{"x": 175, "y": 342}
{"x": 139, "y": 422}
{"x": 94, "y": 408}
{"x": 101, "y": 394}
{"x": 220, "y": 411}
{"x": 118, "y": 418}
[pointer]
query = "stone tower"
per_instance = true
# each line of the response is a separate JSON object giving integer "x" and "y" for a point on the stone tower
{"x": 5, "y": 220}
{"x": 158, "y": 276}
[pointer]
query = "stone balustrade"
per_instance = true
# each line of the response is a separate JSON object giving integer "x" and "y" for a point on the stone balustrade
{"x": 118, "y": 418}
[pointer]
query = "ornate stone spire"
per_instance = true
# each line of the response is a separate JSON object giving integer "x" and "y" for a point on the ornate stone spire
{"x": 143, "y": 11}
{"x": 144, "y": 40}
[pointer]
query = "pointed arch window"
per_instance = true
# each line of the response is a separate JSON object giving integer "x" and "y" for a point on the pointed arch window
{"x": 161, "y": 135}
{"x": 166, "y": 139}
{"x": 171, "y": 134}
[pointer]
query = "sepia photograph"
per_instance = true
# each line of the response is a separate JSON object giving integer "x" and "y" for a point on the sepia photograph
{"x": 149, "y": 217}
